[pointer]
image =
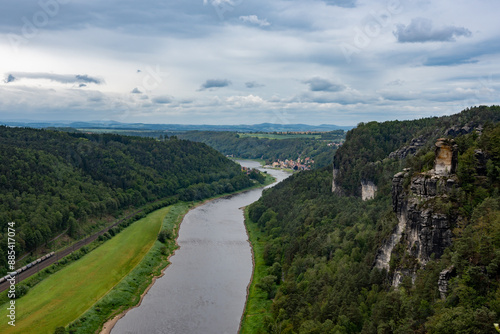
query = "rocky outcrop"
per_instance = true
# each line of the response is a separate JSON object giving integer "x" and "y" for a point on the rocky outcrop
{"x": 444, "y": 278}
{"x": 384, "y": 252}
{"x": 427, "y": 231}
{"x": 398, "y": 276}
{"x": 446, "y": 157}
{"x": 335, "y": 188}
{"x": 423, "y": 231}
{"x": 455, "y": 131}
{"x": 368, "y": 190}
{"x": 411, "y": 149}
{"x": 424, "y": 226}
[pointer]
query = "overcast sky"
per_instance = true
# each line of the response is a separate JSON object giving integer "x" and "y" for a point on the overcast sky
{"x": 247, "y": 61}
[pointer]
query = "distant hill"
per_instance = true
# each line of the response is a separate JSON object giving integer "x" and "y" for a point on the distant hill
{"x": 264, "y": 127}
{"x": 292, "y": 147}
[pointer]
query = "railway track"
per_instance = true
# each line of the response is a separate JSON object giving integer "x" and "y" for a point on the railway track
{"x": 56, "y": 256}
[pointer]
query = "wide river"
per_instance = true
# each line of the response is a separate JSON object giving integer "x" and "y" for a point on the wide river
{"x": 204, "y": 288}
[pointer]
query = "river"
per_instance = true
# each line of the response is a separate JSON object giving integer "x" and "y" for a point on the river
{"x": 204, "y": 288}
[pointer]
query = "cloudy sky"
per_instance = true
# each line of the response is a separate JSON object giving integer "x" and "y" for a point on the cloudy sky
{"x": 247, "y": 61}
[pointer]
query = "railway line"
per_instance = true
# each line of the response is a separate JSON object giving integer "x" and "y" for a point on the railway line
{"x": 53, "y": 257}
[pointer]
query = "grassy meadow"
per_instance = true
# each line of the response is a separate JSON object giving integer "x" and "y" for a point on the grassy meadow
{"x": 81, "y": 284}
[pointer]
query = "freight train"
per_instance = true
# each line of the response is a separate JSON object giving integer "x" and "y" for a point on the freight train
{"x": 29, "y": 265}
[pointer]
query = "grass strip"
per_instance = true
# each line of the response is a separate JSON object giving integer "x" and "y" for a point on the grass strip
{"x": 127, "y": 293}
{"x": 67, "y": 294}
{"x": 258, "y": 305}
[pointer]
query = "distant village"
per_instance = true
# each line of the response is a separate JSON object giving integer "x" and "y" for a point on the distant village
{"x": 299, "y": 164}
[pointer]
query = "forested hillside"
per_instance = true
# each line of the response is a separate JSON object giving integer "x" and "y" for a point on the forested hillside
{"x": 51, "y": 182}
{"x": 321, "y": 247}
{"x": 230, "y": 143}
{"x": 367, "y": 147}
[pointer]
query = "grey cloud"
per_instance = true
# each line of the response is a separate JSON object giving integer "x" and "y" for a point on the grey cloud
{"x": 165, "y": 99}
{"x": 253, "y": 84}
{"x": 342, "y": 3}
{"x": 154, "y": 17}
{"x": 85, "y": 78}
{"x": 451, "y": 60}
{"x": 318, "y": 84}
{"x": 400, "y": 96}
{"x": 421, "y": 30}
{"x": 397, "y": 82}
{"x": 9, "y": 78}
{"x": 62, "y": 78}
{"x": 82, "y": 85}
{"x": 96, "y": 98}
{"x": 215, "y": 83}
{"x": 347, "y": 97}
{"x": 136, "y": 91}
{"x": 460, "y": 55}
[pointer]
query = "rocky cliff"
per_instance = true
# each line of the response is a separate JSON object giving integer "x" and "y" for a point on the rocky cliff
{"x": 421, "y": 204}
{"x": 368, "y": 190}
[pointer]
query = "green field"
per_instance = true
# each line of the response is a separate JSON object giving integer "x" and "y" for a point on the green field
{"x": 279, "y": 136}
{"x": 257, "y": 306}
{"x": 69, "y": 293}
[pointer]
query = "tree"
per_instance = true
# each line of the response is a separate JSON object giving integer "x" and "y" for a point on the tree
{"x": 268, "y": 285}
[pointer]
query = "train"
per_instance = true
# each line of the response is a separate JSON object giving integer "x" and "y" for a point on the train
{"x": 29, "y": 265}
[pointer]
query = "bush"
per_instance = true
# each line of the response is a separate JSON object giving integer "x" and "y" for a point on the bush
{"x": 60, "y": 330}
{"x": 165, "y": 235}
{"x": 21, "y": 290}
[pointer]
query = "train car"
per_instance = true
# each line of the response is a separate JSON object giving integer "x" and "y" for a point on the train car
{"x": 24, "y": 268}
{"x": 29, "y": 265}
{"x": 2, "y": 280}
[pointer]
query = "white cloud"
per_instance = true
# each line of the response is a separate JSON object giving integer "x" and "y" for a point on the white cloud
{"x": 255, "y": 20}
{"x": 245, "y": 101}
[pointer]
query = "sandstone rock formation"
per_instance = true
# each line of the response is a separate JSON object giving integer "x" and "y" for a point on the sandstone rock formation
{"x": 424, "y": 227}
{"x": 368, "y": 190}
{"x": 335, "y": 188}
{"x": 444, "y": 277}
{"x": 412, "y": 149}
{"x": 446, "y": 157}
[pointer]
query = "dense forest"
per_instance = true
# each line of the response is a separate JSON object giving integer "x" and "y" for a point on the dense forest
{"x": 270, "y": 150}
{"x": 367, "y": 147}
{"x": 53, "y": 182}
{"x": 320, "y": 247}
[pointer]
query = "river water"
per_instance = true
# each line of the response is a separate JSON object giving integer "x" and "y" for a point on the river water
{"x": 204, "y": 288}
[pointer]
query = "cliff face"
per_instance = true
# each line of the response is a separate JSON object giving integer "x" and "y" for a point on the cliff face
{"x": 368, "y": 190}
{"x": 335, "y": 188}
{"x": 424, "y": 227}
{"x": 426, "y": 231}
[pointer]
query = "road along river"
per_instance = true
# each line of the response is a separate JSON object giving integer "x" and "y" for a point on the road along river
{"x": 204, "y": 289}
